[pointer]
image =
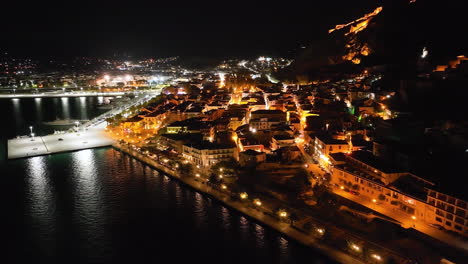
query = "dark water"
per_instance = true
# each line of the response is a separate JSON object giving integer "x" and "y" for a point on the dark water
{"x": 101, "y": 206}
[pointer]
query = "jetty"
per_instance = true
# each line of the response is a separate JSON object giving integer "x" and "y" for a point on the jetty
{"x": 24, "y": 147}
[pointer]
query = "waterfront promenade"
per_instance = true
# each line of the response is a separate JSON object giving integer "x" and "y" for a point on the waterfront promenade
{"x": 25, "y": 147}
{"x": 264, "y": 213}
{"x": 60, "y": 94}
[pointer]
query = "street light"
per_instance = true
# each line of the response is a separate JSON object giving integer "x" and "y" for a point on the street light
{"x": 414, "y": 220}
{"x": 243, "y": 195}
{"x": 31, "y": 128}
{"x": 257, "y": 202}
{"x": 283, "y": 213}
{"x": 355, "y": 247}
{"x": 320, "y": 230}
{"x": 377, "y": 257}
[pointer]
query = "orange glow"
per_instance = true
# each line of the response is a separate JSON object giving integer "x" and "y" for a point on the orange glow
{"x": 361, "y": 22}
{"x": 365, "y": 50}
{"x": 356, "y": 60}
{"x": 359, "y": 27}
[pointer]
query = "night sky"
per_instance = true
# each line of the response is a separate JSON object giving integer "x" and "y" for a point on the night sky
{"x": 227, "y": 28}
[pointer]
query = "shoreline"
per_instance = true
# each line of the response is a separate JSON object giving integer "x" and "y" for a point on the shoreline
{"x": 264, "y": 219}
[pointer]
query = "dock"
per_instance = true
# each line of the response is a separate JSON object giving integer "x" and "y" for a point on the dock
{"x": 25, "y": 147}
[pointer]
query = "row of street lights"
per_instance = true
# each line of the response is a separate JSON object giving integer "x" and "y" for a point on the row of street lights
{"x": 358, "y": 249}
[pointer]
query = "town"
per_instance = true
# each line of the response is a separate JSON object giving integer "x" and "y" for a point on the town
{"x": 300, "y": 147}
{"x": 240, "y": 134}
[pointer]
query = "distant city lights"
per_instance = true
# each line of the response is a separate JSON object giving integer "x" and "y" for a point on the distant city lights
{"x": 424, "y": 53}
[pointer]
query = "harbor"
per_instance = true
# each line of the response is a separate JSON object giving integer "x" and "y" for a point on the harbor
{"x": 27, "y": 146}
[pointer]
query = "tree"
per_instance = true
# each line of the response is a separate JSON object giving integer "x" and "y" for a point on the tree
{"x": 214, "y": 179}
{"x": 118, "y": 117}
{"x": 293, "y": 218}
{"x": 307, "y": 226}
{"x": 381, "y": 197}
{"x": 185, "y": 169}
{"x": 226, "y": 167}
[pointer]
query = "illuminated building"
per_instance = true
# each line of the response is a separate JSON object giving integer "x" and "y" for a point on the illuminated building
{"x": 410, "y": 196}
{"x": 206, "y": 153}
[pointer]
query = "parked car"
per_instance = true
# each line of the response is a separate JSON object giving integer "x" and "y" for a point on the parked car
{"x": 354, "y": 192}
{"x": 60, "y": 139}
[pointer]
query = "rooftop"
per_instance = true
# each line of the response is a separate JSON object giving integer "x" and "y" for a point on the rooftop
{"x": 411, "y": 185}
{"x": 328, "y": 140}
{"x": 208, "y": 145}
{"x": 357, "y": 171}
{"x": 133, "y": 119}
{"x": 339, "y": 156}
{"x": 265, "y": 112}
{"x": 373, "y": 161}
{"x": 251, "y": 152}
{"x": 183, "y": 136}
{"x": 282, "y": 137}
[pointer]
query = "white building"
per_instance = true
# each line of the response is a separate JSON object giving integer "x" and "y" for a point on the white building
{"x": 206, "y": 153}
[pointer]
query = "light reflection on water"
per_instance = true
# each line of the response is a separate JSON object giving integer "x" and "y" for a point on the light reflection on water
{"x": 38, "y": 108}
{"x": 117, "y": 208}
{"x": 65, "y": 108}
{"x": 178, "y": 196}
{"x": 17, "y": 113}
{"x": 83, "y": 112}
{"x": 283, "y": 246}
{"x": 259, "y": 235}
{"x": 41, "y": 203}
{"x": 88, "y": 200}
{"x": 244, "y": 227}
{"x": 41, "y": 199}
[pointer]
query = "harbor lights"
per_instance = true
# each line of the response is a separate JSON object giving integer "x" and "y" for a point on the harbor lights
{"x": 257, "y": 202}
{"x": 320, "y": 231}
{"x": 376, "y": 257}
{"x": 355, "y": 247}
{"x": 283, "y": 214}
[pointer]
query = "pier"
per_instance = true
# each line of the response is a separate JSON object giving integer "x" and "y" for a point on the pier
{"x": 24, "y": 147}
{"x": 90, "y": 134}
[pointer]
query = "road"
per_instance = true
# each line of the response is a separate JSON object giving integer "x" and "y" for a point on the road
{"x": 405, "y": 219}
{"x": 261, "y": 213}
